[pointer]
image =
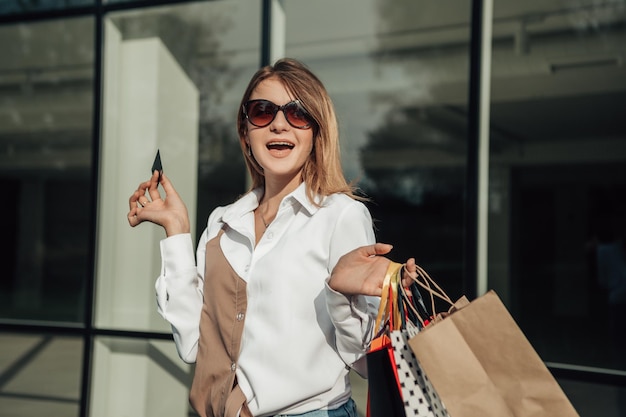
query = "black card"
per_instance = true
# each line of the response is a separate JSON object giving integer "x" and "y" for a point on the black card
{"x": 156, "y": 165}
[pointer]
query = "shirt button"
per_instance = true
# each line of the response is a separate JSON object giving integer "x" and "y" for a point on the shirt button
{"x": 270, "y": 235}
{"x": 247, "y": 268}
{"x": 233, "y": 367}
{"x": 240, "y": 316}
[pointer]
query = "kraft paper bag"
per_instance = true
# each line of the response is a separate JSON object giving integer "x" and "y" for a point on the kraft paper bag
{"x": 481, "y": 365}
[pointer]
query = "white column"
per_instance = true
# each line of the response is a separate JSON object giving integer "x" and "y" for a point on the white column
{"x": 138, "y": 378}
{"x": 277, "y": 30}
{"x": 149, "y": 103}
{"x": 483, "y": 158}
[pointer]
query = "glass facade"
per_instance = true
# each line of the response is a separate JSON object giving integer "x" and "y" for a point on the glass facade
{"x": 23, "y": 6}
{"x": 558, "y": 159}
{"x": 90, "y": 93}
{"x": 46, "y": 84}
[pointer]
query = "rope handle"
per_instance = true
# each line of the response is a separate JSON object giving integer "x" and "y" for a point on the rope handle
{"x": 409, "y": 304}
{"x": 390, "y": 312}
{"x": 427, "y": 283}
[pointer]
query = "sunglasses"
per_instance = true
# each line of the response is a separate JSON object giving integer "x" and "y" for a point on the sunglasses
{"x": 262, "y": 112}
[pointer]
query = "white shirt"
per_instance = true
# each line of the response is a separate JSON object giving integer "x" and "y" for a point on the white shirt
{"x": 299, "y": 335}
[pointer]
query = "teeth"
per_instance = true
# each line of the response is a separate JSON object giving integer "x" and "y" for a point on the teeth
{"x": 281, "y": 144}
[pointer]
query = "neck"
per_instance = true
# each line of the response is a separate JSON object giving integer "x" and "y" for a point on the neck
{"x": 273, "y": 194}
{"x": 277, "y": 188}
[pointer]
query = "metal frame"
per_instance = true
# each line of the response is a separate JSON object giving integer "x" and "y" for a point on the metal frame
{"x": 473, "y": 162}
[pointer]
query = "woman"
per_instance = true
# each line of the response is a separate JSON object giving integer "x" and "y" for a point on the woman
{"x": 271, "y": 317}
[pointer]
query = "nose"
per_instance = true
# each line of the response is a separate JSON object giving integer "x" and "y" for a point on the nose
{"x": 280, "y": 122}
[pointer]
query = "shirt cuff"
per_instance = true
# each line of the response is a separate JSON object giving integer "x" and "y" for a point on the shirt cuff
{"x": 177, "y": 254}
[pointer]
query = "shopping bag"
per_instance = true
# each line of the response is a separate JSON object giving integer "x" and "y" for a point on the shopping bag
{"x": 397, "y": 386}
{"x": 419, "y": 396}
{"x": 384, "y": 398}
{"x": 481, "y": 364}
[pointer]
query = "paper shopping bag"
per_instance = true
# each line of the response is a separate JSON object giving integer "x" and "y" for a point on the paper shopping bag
{"x": 481, "y": 364}
{"x": 384, "y": 399}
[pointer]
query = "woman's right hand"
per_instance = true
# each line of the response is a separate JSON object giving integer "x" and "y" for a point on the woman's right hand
{"x": 146, "y": 204}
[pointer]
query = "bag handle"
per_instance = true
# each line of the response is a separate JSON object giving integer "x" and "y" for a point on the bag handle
{"x": 395, "y": 314}
{"x": 386, "y": 305}
{"x": 396, "y": 304}
{"x": 395, "y": 299}
{"x": 426, "y": 282}
{"x": 408, "y": 302}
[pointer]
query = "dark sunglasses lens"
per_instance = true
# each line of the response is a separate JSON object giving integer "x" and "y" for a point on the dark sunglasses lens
{"x": 296, "y": 115}
{"x": 261, "y": 112}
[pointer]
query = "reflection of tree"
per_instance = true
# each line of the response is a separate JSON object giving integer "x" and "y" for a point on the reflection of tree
{"x": 420, "y": 149}
{"x": 221, "y": 170}
{"x": 414, "y": 172}
{"x": 414, "y": 160}
{"x": 403, "y": 159}
{"x": 411, "y": 154}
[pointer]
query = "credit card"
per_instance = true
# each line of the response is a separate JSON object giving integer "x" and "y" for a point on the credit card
{"x": 156, "y": 165}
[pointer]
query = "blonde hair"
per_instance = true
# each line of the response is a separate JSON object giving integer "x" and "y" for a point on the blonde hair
{"x": 322, "y": 172}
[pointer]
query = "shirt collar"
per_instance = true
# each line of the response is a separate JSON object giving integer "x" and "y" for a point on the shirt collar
{"x": 244, "y": 205}
{"x": 250, "y": 201}
{"x": 299, "y": 196}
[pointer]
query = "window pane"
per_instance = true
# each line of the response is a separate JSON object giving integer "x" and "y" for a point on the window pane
{"x": 173, "y": 78}
{"x": 46, "y": 85}
{"x": 40, "y": 375}
{"x": 595, "y": 399}
{"x": 558, "y": 176}
{"x": 21, "y": 6}
{"x": 398, "y": 75}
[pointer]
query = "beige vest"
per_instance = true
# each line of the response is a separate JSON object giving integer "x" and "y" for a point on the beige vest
{"x": 214, "y": 391}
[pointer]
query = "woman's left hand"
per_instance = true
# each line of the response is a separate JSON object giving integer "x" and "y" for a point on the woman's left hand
{"x": 362, "y": 271}
{"x": 146, "y": 204}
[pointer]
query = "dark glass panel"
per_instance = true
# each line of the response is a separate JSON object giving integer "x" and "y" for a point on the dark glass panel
{"x": 46, "y": 85}
{"x": 24, "y": 6}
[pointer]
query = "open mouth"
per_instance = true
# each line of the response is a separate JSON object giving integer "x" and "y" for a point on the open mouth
{"x": 280, "y": 146}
